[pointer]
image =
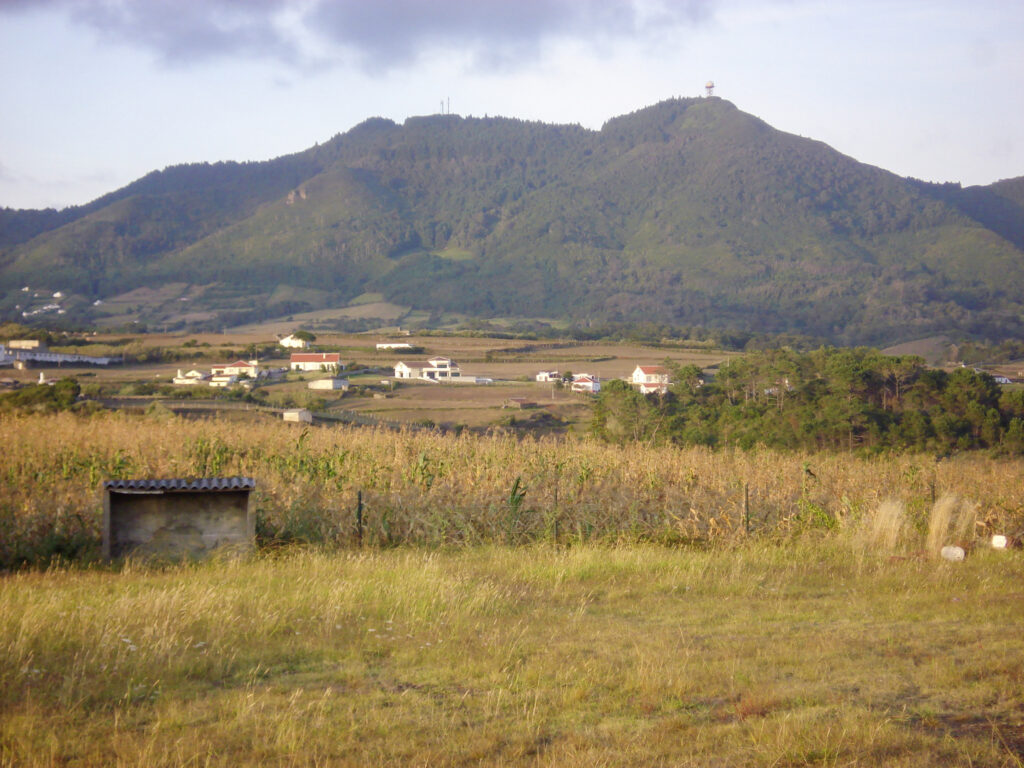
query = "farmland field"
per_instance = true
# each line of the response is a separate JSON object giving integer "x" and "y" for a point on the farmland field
{"x": 423, "y": 487}
{"x": 473, "y": 406}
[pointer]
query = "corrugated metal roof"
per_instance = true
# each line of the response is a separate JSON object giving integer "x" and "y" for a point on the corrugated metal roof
{"x": 183, "y": 484}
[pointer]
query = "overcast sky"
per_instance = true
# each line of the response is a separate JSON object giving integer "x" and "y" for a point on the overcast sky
{"x": 96, "y": 93}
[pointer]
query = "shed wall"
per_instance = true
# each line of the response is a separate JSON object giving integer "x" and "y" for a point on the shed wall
{"x": 176, "y": 525}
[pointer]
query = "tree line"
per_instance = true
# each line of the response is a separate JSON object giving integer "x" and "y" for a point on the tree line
{"x": 848, "y": 399}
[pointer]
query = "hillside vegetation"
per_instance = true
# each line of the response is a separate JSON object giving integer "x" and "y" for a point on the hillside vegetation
{"x": 689, "y": 212}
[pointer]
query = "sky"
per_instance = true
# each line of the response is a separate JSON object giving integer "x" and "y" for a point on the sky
{"x": 97, "y": 93}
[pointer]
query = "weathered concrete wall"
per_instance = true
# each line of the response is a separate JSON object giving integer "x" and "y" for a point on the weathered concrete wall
{"x": 176, "y": 525}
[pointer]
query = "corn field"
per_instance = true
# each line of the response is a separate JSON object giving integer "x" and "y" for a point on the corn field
{"x": 350, "y": 486}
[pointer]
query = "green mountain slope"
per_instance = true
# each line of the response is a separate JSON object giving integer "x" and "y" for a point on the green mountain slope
{"x": 687, "y": 212}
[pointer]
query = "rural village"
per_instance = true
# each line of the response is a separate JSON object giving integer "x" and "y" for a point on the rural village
{"x": 327, "y": 374}
{"x": 330, "y": 375}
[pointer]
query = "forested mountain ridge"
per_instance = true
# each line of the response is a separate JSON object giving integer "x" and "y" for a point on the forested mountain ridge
{"x": 688, "y": 212}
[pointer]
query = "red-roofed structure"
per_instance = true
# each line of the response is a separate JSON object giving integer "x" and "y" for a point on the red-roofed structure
{"x": 651, "y": 378}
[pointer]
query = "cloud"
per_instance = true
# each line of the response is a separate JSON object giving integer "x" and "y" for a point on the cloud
{"x": 193, "y": 30}
{"x": 393, "y": 33}
{"x": 181, "y": 31}
{"x": 379, "y": 34}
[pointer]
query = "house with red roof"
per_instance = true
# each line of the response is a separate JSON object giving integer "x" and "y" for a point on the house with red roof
{"x": 250, "y": 368}
{"x": 585, "y": 382}
{"x": 651, "y": 378}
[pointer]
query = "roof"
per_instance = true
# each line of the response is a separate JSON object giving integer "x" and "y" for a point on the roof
{"x": 236, "y": 364}
{"x": 652, "y": 369}
{"x": 431, "y": 363}
{"x": 182, "y": 484}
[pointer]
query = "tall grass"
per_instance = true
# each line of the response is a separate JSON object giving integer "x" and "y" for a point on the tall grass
{"x": 887, "y": 527}
{"x": 427, "y": 488}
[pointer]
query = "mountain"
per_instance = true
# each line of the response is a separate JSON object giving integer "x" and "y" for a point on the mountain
{"x": 689, "y": 212}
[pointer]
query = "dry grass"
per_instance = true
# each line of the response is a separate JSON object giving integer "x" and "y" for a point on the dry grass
{"x": 952, "y": 522}
{"x": 887, "y": 527}
{"x": 586, "y": 644}
{"x": 428, "y": 488}
{"x": 762, "y": 655}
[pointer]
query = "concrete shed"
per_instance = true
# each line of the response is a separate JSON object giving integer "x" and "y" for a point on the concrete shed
{"x": 177, "y": 519}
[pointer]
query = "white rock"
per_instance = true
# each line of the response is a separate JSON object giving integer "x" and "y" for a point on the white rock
{"x": 954, "y": 554}
{"x": 999, "y": 541}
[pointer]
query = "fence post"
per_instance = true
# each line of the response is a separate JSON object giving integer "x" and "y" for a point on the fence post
{"x": 359, "y": 518}
{"x": 746, "y": 507}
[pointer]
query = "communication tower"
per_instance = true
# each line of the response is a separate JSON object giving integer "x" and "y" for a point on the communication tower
{"x": 709, "y": 88}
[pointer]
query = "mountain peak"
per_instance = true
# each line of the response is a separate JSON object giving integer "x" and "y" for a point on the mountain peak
{"x": 687, "y": 212}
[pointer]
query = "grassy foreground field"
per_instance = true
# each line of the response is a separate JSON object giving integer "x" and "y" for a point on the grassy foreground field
{"x": 817, "y": 651}
{"x": 513, "y": 602}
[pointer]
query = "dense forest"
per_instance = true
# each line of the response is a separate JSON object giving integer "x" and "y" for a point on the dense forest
{"x": 828, "y": 399}
{"x": 689, "y": 213}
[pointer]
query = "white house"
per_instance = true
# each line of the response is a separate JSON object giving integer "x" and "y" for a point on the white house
{"x": 434, "y": 369}
{"x": 297, "y": 414}
{"x": 223, "y": 380}
{"x": 315, "y": 361}
{"x": 584, "y": 382}
{"x": 292, "y": 342}
{"x": 404, "y": 370}
{"x": 651, "y": 378}
{"x": 191, "y": 378}
{"x": 250, "y": 368}
{"x": 548, "y": 376}
{"x": 393, "y": 346}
